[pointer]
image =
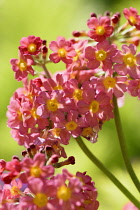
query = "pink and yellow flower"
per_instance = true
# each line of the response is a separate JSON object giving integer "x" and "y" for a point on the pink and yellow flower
{"x": 101, "y": 28}
{"x": 127, "y": 61}
{"x": 132, "y": 16}
{"x": 63, "y": 50}
{"x": 22, "y": 66}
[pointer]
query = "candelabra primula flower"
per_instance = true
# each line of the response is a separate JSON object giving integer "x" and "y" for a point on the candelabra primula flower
{"x": 111, "y": 85}
{"x": 14, "y": 168}
{"x": 72, "y": 90}
{"x": 57, "y": 83}
{"x": 101, "y": 54}
{"x": 53, "y": 104}
{"x": 41, "y": 191}
{"x": 22, "y": 66}
{"x": 127, "y": 61}
{"x": 101, "y": 28}
{"x": 72, "y": 124}
{"x": 132, "y": 16}
{"x": 30, "y": 117}
{"x": 63, "y": 50}
{"x": 68, "y": 196}
{"x": 30, "y": 45}
{"x": 94, "y": 107}
{"x": 134, "y": 87}
{"x": 14, "y": 189}
{"x": 79, "y": 60}
{"x": 35, "y": 168}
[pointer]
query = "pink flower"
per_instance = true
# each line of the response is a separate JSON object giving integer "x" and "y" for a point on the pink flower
{"x": 14, "y": 188}
{"x": 30, "y": 45}
{"x": 14, "y": 168}
{"x": 132, "y": 16}
{"x": 68, "y": 192}
{"x": 94, "y": 107}
{"x": 72, "y": 90}
{"x": 134, "y": 87}
{"x": 63, "y": 50}
{"x": 79, "y": 59}
{"x": 100, "y": 55}
{"x": 35, "y": 168}
{"x": 111, "y": 85}
{"x": 55, "y": 84}
{"x": 40, "y": 193}
{"x": 101, "y": 28}
{"x": 72, "y": 124}
{"x": 22, "y": 66}
{"x": 127, "y": 61}
{"x": 53, "y": 103}
{"x": 15, "y": 116}
{"x": 30, "y": 117}
{"x": 59, "y": 134}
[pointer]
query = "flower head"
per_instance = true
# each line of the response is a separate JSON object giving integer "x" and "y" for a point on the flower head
{"x": 101, "y": 28}
{"x": 30, "y": 45}
{"x": 132, "y": 16}
{"x": 63, "y": 50}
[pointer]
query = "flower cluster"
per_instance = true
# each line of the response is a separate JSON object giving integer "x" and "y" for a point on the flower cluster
{"x": 50, "y": 109}
{"x": 30, "y": 183}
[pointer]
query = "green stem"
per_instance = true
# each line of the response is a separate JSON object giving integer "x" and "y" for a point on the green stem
{"x": 46, "y": 71}
{"x": 123, "y": 145}
{"x": 107, "y": 172}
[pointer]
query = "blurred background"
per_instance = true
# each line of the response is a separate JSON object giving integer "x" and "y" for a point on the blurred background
{"x": 49, "y": 19}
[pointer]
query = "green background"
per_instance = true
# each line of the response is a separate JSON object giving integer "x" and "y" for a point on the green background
{"x": 49, "y": 19}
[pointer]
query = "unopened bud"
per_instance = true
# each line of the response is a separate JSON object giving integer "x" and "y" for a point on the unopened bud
{"x": 93, "y": 14}
{"x": 53, "y": 159}
{"x": 15, "y": 157}
{"x": 76, "y": 33}
{"x": 44, "y": 42}
{"x": 24, "y": 153}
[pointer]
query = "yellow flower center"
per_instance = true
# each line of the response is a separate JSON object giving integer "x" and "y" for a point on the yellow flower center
{"x": 22, "y": 65}
{"x": 58, "y": 87}
{"x": 35, "y": 171}
{"x": 19, "y": 115}
{"x": 77, "y": 94}
{"x": 109, "y": 82}
{"x": 56, "y": 132}
{"x": 52, "y": 105}
{"x": 132, "y": 19}
{"x": 87, "y": 131}
{"x": 40, "y": 200}
{"x": 129, "y": 59}
{"x": 70, "y": 126}
{"x": 15, "y": 190}
{"x": 100, "y": 55}
{"x": 64, "y": 193}
{"x": 33, "y": 113}
{"x": 100, "y": 30}
{"x": 62, "y": 52}
{"x": 94, "y": 106}
{"x": 31, "y": 48}
{"x": 75, "y": 58}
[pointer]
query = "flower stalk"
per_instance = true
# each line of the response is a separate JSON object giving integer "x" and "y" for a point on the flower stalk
{"x": 118, "y": 184}
{"x": 123, "y": 145}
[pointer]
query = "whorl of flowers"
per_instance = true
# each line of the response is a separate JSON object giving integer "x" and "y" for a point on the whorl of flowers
{"x": 50, "y": 109}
